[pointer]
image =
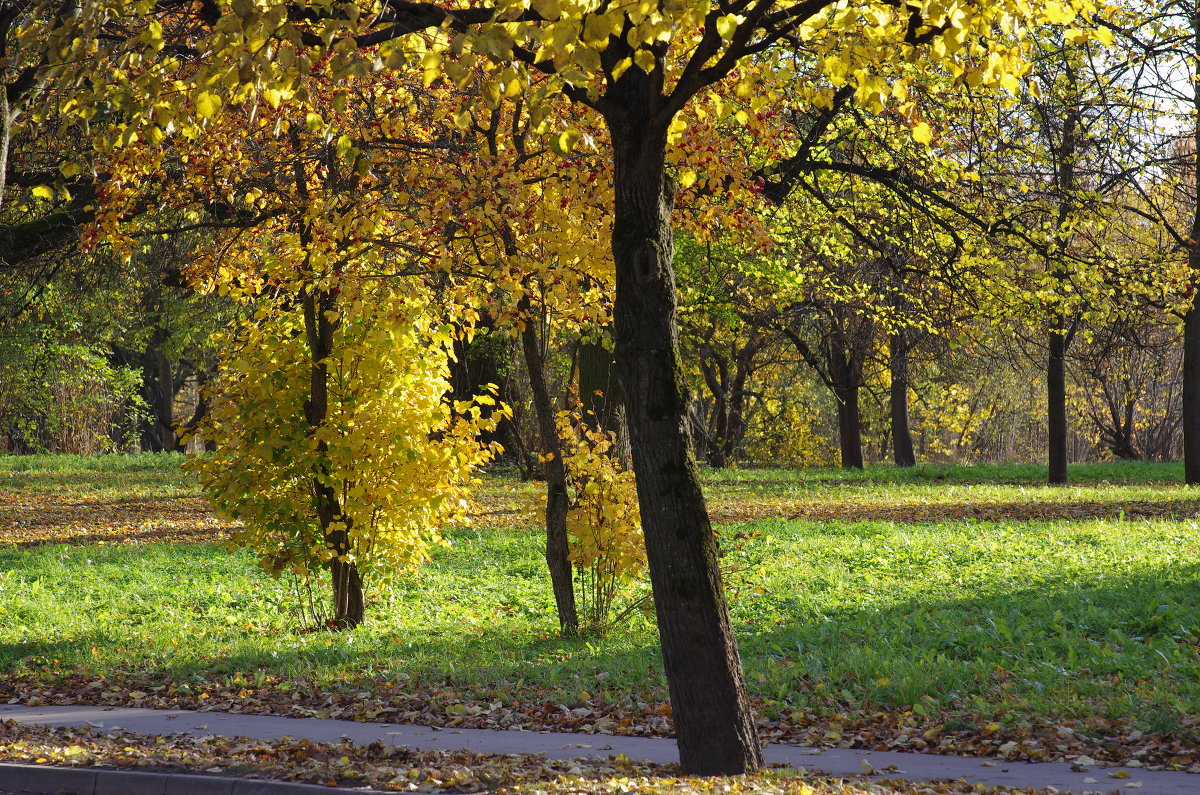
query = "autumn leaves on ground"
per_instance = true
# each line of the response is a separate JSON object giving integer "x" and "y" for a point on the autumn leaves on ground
{"x": 949, "y": 610}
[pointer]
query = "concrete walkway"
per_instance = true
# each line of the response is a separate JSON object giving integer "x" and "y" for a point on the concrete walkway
{"x": 562, "y": 745}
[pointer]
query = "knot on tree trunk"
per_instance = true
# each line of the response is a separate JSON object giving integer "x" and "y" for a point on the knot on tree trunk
{"x": 647, "y": 261}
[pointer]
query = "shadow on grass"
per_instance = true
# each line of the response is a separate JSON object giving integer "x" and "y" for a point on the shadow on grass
{"x": 825, "y": 509}
{"x": 1124, "y": 472}
{"x": 1115, "y": 648}
{"x": 1103, "y": 646}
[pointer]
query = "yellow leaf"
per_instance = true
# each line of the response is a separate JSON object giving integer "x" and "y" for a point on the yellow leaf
{"x": 687, "y": 179}
{"x": 207, "y": 105}
{"x": 1056, "y": 13}
{"x": 547, "y": 9}
{"x": 645, "y": 60}
{"x": 922, "y": 134}
{"x": 43, "y": 192}
{"x": 431, "y": 63}
{"x": 620, "y": 67}
{"x": 727, "y": 25}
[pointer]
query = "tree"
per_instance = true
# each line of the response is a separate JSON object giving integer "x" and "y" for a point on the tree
{"x": 337, "y": 449}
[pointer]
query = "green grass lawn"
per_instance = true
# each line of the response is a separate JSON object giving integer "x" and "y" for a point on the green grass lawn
{"x": 970, "y": 598}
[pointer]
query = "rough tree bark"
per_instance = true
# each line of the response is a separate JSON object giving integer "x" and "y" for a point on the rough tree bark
{"x": 558, "y": 560}
{"x": 713, "y": 718}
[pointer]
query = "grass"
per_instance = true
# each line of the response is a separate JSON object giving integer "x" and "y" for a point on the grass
{"x": 970, "y": 596}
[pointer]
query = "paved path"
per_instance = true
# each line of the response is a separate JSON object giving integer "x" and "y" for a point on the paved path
{"x": 562, "y": 745}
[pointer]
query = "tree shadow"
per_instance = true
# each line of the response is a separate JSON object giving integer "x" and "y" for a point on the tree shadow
{"x": 1123, "y": 648}
{"x": 727, "y": 510}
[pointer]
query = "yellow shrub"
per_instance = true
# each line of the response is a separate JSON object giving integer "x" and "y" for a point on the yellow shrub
{"x": 397, "y": 455}
{"x": 604, "y": 525}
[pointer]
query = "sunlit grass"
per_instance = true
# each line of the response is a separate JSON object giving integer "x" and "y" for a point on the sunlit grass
{"x": 1055, "y": 615}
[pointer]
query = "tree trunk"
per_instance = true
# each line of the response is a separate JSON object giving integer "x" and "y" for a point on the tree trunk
{"x": 844, "y": 375}
{"x": 1191, "y": 319}
{"x": 1191, "y": 384}
{"x": 6, "y": 124}
{"x": 902, "y": 443}
{"x": 713, "y": 719}
{"x": 558, "y": 559}
{"x": 474, "y": 366}
{"x": 158, "y": 391}
{"x": 348, "y": 611}
{"x": 1056, "y": 406}
{"x": 597, "y": 373}
{"x": 1060, "y": 337}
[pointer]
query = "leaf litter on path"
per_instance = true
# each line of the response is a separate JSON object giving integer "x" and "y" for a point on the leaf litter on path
{"x": 401, "y": 769}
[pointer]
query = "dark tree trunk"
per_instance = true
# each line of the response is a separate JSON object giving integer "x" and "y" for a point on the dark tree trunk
{"x": 602, "y": 398}
{"x": 1191, "y": 319}
{"x": 845, "y": 377}
{"x": 726, "y": 380}
{"x": 558, "y": 560}
{"x": 1060, "y": 336}
{"x": 713, "y": 718}
{"x": 716, "y": 376}
{"x": 348, "y": 610}
{"x": 902, "y": 444}
{"x": 158, "y": 391}
{"x": 476, "y": 365}
{"x": 1191, "y": 384}
{"x": 599, "y": 390}
{"x": 1056, "y": 406}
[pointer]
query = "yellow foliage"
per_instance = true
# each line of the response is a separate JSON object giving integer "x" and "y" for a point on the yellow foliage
{"x": 784, "y": 435}
{"x": 604, "y": 525}
{"x": 396, "y": 455}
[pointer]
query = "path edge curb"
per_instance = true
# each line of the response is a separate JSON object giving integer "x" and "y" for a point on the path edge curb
{"x": 53, "y": 780}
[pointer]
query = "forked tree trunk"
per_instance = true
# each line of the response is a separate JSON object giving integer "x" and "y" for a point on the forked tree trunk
{"x": 713, "y": 718}
{"x": 1056, "y": 407}
{"x": 558, "y": 559}
{"x": 348, "y": 610}
{"x": 902, "y": 443}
